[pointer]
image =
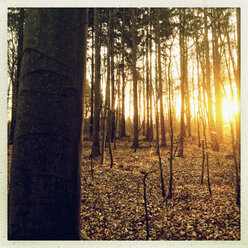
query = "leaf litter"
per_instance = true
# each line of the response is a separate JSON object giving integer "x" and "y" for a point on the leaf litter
{"x": 112, "y": 205}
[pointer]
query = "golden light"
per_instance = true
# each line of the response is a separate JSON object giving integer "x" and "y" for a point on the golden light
{"x": 230, "y": 107}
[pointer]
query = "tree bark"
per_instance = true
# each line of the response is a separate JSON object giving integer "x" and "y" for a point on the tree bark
{"x": 162, "y": 123}
{"x": 112, "y": 72}
{"x": 186, "y": 83}
{"x": 150, "y": 88}
{"x": 182, "y": 64}
{"x": 15, "y": 82}
{"x": 44, "y": 187}
{"x": 212, "y": 129}
{"x": 147, "y": 87}
{"x": 238, "y": 80}
{"x": 122, "y": 120}
{"x": 144, "y": 99}
{"x": 135, "y": 117}
{"x": 217, "y": 79}
{"x": 92, "y": 86}
{"x": 97, "y": 108}
{"x": 171, "y": 127}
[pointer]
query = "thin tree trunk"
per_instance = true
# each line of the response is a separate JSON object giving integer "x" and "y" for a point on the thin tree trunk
{"x": 147, "y": 87}
{"x": 144, "y": 100}
{"x": 145, "y": 204}
{"x": 238, "y": 81}
{"x": 123, "y": 126}
{"x": 151, "y": 88}
{"x": 92, "y": 85}
{"x": 171, "y": 130}
{"x": 156, "y": 97}
{"x": 182, "y": 64}
{"x": 135, "y": 117}
{"x": 113, "y": 128}
{"x": 162, "y": 125}
{"x": 217, "y": 79}
{"x": 186, "y": 86}
{"x": 199, "y": 100}
{"x": 107, "y": 100}
{"x": 96, "y": 144}
{"x": 203, "y": 161}
{"x": 214, "y": 141}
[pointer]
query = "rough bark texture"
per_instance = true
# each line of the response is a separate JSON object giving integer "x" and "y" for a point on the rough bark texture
{"x": 44, "y": 187}
{"x": 15, "y": 83}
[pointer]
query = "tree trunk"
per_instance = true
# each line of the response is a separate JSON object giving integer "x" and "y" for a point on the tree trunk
{"x": 97, "y": 109}
{"x": 111, "y": 12}
{"x": 217, "y": 79}
{"x": 44, "y": 187}
{"x": 171, "y": 128}
{"x": 214, "y": 141}
{"x": 144, "y": 100}
{"x": 123, "y": 126}
{"x": 151, "y": 88}
{"x": 186, "y": 83}
{"x": 147, "y": 87}
{"x": 107, "y": 99}
{"x": 135, "y": 110}
{"x": 156, "y": 97}
{"x": 162, "y": 124}
{"x": 15, "y": 82}
{"x": 92, "y": 85}
{"x": 182, "y": 64}
{"x": 238, "y": 81}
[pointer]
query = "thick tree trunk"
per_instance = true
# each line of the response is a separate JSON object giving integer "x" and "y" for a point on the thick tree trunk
{"x": 97, "y": 108}
{"x": 44, "y": 187}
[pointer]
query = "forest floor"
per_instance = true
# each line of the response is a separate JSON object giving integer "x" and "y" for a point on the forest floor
{"x": 112, "y": 199}
{"x": 112, "y": 202}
